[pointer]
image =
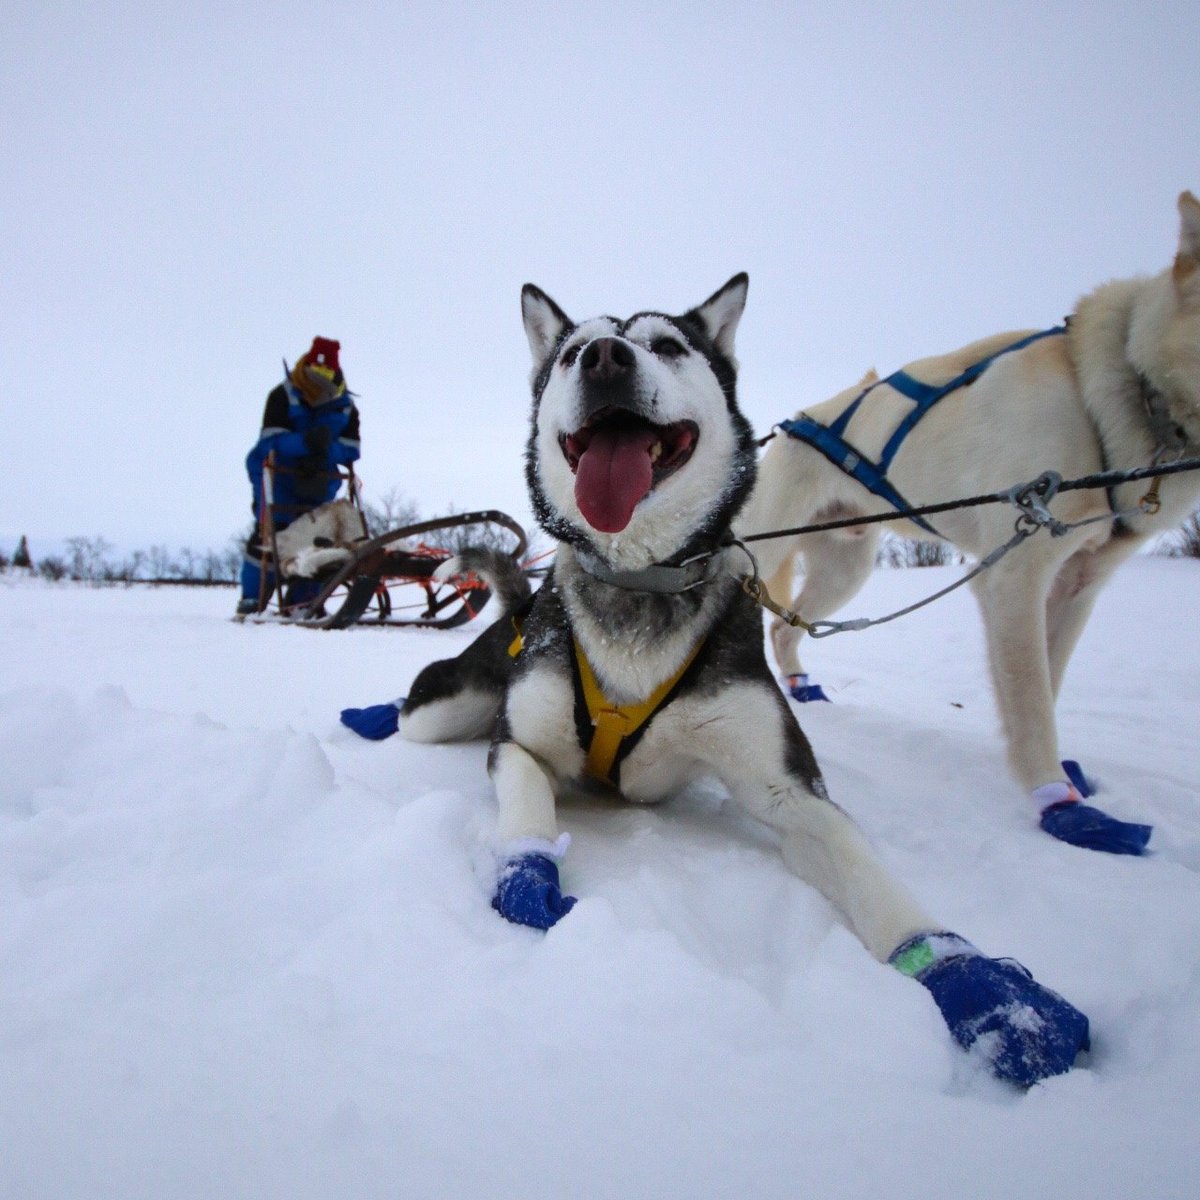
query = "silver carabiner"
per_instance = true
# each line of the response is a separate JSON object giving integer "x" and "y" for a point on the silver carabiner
{"x": 1032, "y": 500}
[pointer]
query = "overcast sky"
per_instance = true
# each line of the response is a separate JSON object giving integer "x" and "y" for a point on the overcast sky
{"x": 191, "y": 192}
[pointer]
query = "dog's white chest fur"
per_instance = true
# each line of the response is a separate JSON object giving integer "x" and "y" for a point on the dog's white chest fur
{"x": 541, "y": 708}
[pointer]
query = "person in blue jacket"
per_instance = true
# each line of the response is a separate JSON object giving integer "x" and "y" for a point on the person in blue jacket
{"x": 310, "y": 424}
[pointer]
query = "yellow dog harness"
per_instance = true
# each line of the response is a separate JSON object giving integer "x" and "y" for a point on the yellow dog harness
{"x": 612, "y": 724}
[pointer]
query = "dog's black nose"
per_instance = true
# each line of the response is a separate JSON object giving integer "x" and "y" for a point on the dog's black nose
{"x": 606, "y": 360}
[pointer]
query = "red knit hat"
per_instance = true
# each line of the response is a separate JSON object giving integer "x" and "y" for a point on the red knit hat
{"x": 324, "y": 353}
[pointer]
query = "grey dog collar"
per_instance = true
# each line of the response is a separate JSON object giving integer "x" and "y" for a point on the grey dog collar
{"x": 661, "y": 578}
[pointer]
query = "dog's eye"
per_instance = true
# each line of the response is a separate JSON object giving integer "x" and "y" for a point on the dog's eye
{"x": 569, "y": 355}
{"x": 667, "y": 347}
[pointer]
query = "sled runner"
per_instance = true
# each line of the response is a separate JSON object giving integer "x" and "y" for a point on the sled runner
{"x": 323, "y": 569}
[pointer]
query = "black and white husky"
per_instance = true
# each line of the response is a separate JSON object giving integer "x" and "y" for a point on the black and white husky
{"x": 639, "y": 663}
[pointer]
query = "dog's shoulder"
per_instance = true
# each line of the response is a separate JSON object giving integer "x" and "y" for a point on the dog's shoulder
{"x": 733, "y": 647}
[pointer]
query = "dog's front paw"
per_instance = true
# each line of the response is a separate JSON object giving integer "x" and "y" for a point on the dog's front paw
{"x": 1025, "y": 1031}
{"x": 528, "y": 892}
{"x": 1088, "y": 827}
{"x": 375, "y": 723}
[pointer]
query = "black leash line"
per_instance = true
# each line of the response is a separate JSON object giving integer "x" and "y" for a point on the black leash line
{"x": 1103, "y": 479}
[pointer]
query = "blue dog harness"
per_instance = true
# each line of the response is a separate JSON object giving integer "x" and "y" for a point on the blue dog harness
{"x": 830, "y": 439}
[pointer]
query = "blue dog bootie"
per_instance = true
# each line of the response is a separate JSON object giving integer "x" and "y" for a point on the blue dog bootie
{"x": 801, "y": 690}
{"x": 528, "y": 891}
{"x": 1025, "y": 1031}
{"x": 1064, "y": 816}
{"x": 376, "y": 722}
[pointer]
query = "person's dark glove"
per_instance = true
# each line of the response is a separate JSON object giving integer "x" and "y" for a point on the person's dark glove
{"x": 310, "y": 478}
{"x": 318, "y": 438}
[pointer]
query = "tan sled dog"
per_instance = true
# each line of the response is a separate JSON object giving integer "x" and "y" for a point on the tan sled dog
{"x": 1118, "y": 388}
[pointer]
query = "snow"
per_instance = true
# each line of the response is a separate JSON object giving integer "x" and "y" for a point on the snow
{"x": 246, "y": 954}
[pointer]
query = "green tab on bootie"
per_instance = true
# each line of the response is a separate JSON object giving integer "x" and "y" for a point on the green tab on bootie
{"x": 920, "y": 953}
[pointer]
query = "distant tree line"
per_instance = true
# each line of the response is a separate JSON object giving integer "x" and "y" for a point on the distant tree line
{"x": 96, "y": 560}
{"x": 904, "y": 552}
{"x": 92, "y": 560}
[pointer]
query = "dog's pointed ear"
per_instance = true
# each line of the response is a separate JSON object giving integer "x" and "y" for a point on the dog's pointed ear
{"x": 720, "y": 313}
{"x": 544, "y": 321}
{"x": 1188, "y": 257}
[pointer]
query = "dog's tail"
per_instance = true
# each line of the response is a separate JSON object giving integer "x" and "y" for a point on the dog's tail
{"x": 502, "y": 573}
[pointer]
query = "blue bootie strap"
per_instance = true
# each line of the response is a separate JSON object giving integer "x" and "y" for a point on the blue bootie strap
{"x": 1078, "y": 780}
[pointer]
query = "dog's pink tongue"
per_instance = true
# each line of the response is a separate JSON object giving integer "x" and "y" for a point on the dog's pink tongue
{"x": 614, "y": 473}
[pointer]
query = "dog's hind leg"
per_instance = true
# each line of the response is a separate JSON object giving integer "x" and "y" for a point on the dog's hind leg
{"x": 468, "y": 715}
{"x": 1071, "y": 599}
{"x": 1015, "y": 603}
{"x": 836, "y": 565}
{"x": 1073, "y": 596}
{"x": 458, "y": 699}
{"x": 785, "y": 639}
